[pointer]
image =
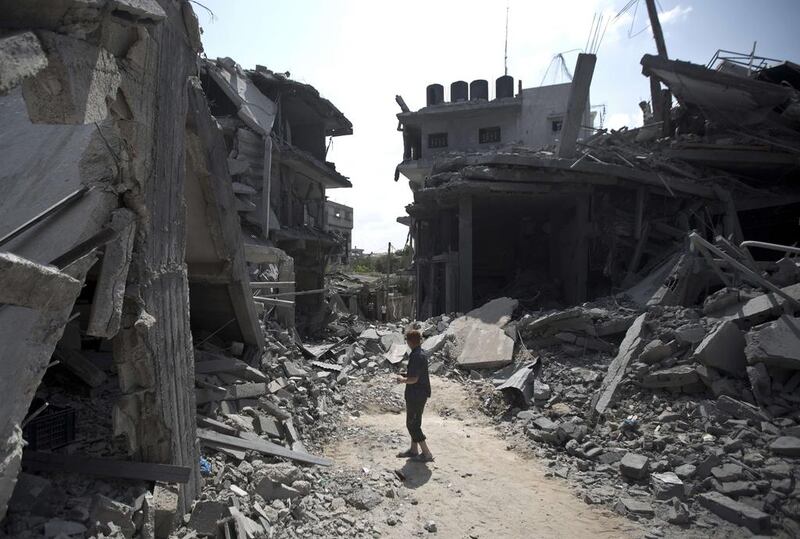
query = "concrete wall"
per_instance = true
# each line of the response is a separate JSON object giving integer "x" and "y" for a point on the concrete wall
{"x": 462, "y": 129}
{"x": 539, "y": 107}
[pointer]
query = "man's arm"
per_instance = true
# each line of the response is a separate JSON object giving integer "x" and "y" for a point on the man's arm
{"x": 412, "y": 376}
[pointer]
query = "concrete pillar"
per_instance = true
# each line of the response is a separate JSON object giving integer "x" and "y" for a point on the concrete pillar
{"x": 465, "y": 253}
{"x": 577, "y": 270}
{"x": 577, "y": 104}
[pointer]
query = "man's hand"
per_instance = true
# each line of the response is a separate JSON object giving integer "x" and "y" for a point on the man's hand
{"x": 400, "y": 379}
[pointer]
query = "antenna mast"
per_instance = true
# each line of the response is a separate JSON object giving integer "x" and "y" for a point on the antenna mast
{"x": 505, "y": 57}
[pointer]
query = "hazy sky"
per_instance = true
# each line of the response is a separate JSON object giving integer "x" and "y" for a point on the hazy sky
{"x": 361, "y": 53}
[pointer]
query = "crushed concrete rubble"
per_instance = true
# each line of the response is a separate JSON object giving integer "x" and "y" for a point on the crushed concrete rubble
{"x": 154, "y": 290}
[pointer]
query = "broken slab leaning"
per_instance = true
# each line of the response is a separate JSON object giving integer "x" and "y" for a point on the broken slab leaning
{"x": 631, "y": 346}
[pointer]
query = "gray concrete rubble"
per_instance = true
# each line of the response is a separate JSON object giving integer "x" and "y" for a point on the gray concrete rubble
{"x": 185, "y": 328}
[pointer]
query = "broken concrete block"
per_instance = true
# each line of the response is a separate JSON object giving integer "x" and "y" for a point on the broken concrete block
{"x": 28, "y": 284}
{"x": 397, "y": 353}
{"x": 485, "y": 346}
{"x": 655, "y": 351}
{"x": 674, "y": 512}
{"x": 21, "y": 56}
{"x": 685, "y": 471}
{"x": 727, "y": 472}
{"x": 364, "y": 499}
{"x": 723, "y": 349}
{"x": 104, "y": 318}
{"x": 739, "y": 409}
{"x": 165, "y": 509}
{"x": 681, "y": 375}
{"x": 736, "y": 489}
{"x": 140, "y": 9}
{"x": 105, "y": 510}
{"x": 390, "y": 339}
{"x": 732, "y": 511}
{"x": 205, "y": 516}
{"x": 667, "y": 485}
{"x": 434, "y": 344}
{"x": 690, "y": 334}
{"x": 776, "y": 345}
{"x": 634, "y": 466}
{"x": 273, "y": 490}
{"x": 788, "y": 446}
{"x": 77, "y": 84}
{"x": 637, "y": 507}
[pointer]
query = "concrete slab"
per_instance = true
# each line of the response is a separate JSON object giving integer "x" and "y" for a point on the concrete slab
{"x": 723, "y": 349}
{"x": 760, "y": 309}
{"x": 631, "y": 346}
{"x": 738, "y": 513}
{"x": 776, "y": 344}
{"x": 485, "y": 346}
{"x": 255, "y": 109}
{"x": 396, "y": 353}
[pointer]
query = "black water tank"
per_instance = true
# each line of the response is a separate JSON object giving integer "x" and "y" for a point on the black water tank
{"x": 435, "y": 93}
{"x": 479, "y": 89}
{"x": 504, "y": 87}
{"x": 459, "y": 91}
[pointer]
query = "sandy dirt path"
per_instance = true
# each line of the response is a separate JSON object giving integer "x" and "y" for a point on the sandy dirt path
{"x": 477, "y": 488}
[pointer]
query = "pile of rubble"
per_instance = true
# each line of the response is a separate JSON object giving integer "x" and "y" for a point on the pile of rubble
{"x": 683, "y": 415}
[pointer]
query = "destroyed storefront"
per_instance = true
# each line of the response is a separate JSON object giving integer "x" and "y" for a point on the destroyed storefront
{"x": 573, "y": 221}
{"x": 275, "y": 133}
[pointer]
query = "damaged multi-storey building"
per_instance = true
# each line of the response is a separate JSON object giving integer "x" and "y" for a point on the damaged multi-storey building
{"x": 144, "y": 202}
{"x": 275, "y": 131}
{"x": 520, "y": 196}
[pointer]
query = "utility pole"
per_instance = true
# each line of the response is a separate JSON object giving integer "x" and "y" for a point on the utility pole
{"x": 661, "y": 100}
{"x": 388, "y": 273}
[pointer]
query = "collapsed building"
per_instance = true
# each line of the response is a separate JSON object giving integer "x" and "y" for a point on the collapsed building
{"x": 144, "y": 204}
{"x": 501, "y": 210}
{"x": 275, "y": 133}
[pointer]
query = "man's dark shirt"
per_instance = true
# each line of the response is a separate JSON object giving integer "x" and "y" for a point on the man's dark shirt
{"x": 418, "y": 367}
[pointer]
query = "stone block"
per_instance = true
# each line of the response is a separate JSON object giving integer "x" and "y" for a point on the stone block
{"x": 738, "y": 513}
{"x": 723, "y": 349}
{"x": 63, "y": 528}
{"x": 634, "y": 466}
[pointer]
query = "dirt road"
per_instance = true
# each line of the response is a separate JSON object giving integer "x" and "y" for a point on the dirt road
{"x": 477, "y": 488}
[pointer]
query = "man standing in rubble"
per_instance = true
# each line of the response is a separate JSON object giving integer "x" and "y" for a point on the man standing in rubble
{"x": 418, "y": 391}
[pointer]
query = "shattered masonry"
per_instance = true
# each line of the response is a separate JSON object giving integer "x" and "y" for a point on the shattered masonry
{"x": 139, "y": 212}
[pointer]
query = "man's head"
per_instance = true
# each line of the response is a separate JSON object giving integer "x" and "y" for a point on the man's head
{"x": 413, "y": 338}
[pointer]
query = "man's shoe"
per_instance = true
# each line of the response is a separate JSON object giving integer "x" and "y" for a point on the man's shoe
{"x": 408, "y": 454}
{"x": 423, "y": 458}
